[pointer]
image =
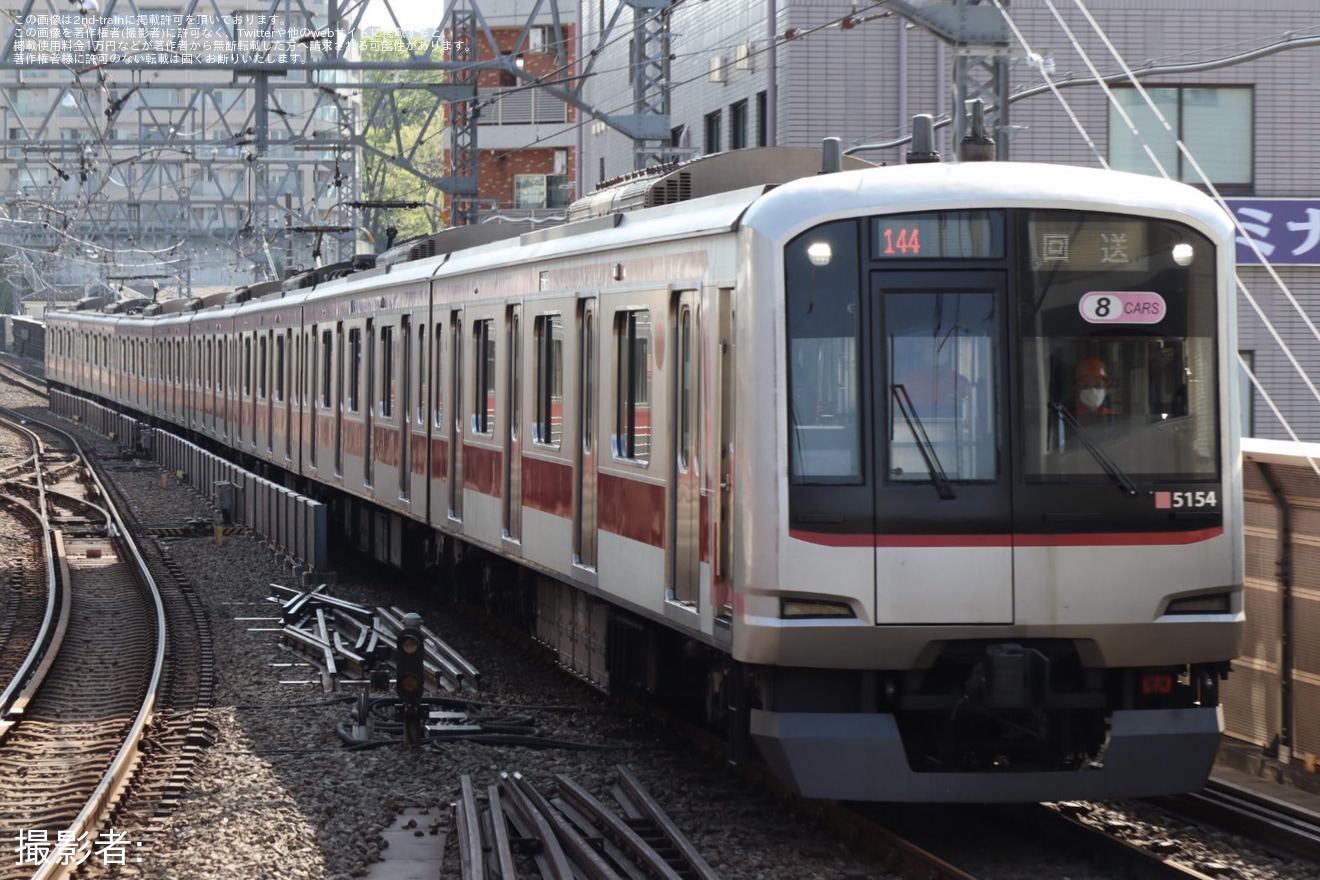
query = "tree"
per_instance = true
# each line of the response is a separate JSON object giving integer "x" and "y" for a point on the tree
{"x": 403, "y": 126}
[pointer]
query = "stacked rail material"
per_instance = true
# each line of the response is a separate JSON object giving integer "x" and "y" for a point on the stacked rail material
{"x": 574, "y": 833}
{"x": 346, "y": 638}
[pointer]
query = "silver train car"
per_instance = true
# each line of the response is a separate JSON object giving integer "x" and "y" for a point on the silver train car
{"x": 922, "y": 481}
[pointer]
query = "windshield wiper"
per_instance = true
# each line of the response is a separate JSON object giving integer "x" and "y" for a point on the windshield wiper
{"x": 1115, "y": 472}
{"x": 927, "y": 449}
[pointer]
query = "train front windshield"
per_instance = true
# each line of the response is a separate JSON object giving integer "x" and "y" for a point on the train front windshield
{"x": 980, "y": 351}
{"x": 1117, "y": 320}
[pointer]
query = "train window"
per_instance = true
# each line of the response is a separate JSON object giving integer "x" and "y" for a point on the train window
{"x": 262, "y": 345}
{"x": 515, "y": 370}
{"x": 483, "y": 377}
{"x": 685, "y": 389}
{"x": 825, "y": 439}
{"x": 354, "y": 367}
{"x": 941, "y": 353}
{"x": 548, "y": 429}
{"x": 1118, "y": 325}
{"x": 247, "y": 367}
{"x": 437, "y": 358}
{"x": 420, "y": 415}
{"x": 632, "y": 412}
{"x": 327, "y": 349}
{"x": 588, "y": 381}
{"x": 387, "y": 372}
{"x": 279, "y": 368}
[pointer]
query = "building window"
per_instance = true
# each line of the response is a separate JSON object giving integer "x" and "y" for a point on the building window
{"x": 1214, "y": 123}
{"x": 714, "y": 121}
{"x": 632, "y": 414}
{"x": 540, "y": 191}
{"x": 762, "y": 122}
{"x": 738, "y": 125}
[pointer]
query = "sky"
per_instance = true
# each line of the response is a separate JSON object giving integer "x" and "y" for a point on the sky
{"x": 413, "y": 14}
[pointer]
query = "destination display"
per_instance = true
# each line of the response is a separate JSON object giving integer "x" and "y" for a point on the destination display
{"x": 939, "y": 235}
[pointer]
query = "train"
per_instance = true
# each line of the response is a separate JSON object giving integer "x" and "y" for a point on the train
{"x": 919, "y": 482}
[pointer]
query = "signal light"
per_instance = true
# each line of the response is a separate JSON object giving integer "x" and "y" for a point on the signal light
{"x": 410, "y": 676}
{"x": 1157, "y": 683}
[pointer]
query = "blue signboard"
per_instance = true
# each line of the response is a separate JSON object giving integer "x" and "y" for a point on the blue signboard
{"x": 1287, "y": 231}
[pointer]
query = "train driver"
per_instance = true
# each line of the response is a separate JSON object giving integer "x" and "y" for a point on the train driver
{"x": 1091, "y": 389}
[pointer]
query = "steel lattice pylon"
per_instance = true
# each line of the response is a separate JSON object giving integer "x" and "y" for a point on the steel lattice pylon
{"x": 207, "y": 146}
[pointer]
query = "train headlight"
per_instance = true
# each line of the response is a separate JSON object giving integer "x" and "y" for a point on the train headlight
{"x": 1213, "y": 603}
{"x": 820, "y": 253}
{"x": 1183, "y": 254}
{"x": 798, "y": 609}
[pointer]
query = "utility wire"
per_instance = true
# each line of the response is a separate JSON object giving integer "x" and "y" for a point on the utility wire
{"x": 1183, "y": 149}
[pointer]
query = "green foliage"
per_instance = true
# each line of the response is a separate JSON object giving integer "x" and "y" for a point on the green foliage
{"x": 405, "y": 138}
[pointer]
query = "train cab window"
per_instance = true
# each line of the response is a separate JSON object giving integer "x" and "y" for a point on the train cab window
{"x": 824, "y": 327}
{"x": 1119, "y": 363}
{"x": 354, "y": 367}
{"x": 548, "y": 429}
{"x": 483, "y": 377}
{"x": 387, "y": 372}
{"x": 632, "y": 412}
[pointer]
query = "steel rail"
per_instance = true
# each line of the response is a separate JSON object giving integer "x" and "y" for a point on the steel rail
{"x": 102, "y": 798}
{"x": 18, "y": 693}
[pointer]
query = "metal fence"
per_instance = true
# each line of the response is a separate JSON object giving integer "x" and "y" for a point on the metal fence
{"x": 1272, "y": 699}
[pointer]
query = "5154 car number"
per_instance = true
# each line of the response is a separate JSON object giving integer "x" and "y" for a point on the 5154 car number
{"x": 1184, "y": 500}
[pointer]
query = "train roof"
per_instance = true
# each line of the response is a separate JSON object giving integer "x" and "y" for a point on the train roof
{"x": 967, "y": 185}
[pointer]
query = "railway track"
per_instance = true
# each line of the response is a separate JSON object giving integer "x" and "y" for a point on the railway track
{"x": 77, "y": 712}
{"x": 1282, "y": 827}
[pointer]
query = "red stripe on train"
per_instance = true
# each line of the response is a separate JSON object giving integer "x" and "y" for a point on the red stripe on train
{"x": 632, "y": 509}
{"x": 483, "y": 470}
{"x": 547, "y": 486}
{"x": 1072, "y": 539}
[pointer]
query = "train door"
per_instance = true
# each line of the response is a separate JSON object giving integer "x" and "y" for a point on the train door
{"x": 584, "y": 523}
{"x": 685, "y": 498}
{"x": 512, "y": 441}
{"x": 939, "y": 417}
{"x": 456, "y": 414}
